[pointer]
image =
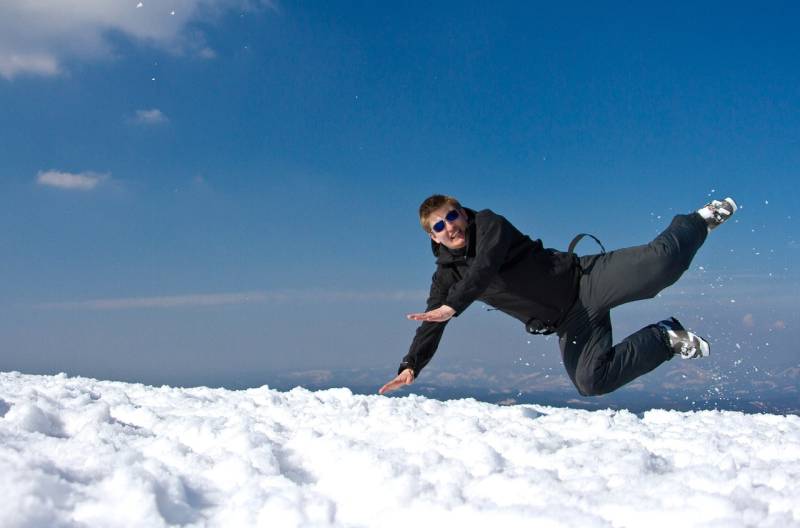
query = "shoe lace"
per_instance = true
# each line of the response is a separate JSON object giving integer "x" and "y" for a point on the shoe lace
{"x": 688, "y": 350}
{"x": 720, "y": 212}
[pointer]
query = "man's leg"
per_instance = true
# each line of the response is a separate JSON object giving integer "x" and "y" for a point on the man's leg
{"x": 615, "y": 278}
{"x": 594, "y": 365}
{"x": 641, "y": 272}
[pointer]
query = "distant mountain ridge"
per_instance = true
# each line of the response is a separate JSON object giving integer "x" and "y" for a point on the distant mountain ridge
{"x": 685, "y": 386}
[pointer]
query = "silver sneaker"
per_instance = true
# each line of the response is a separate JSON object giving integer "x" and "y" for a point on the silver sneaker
{"x": 682, "y": 342}
{"x": 717, "y": 212}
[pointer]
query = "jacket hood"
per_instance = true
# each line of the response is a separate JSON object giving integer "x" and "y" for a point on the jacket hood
{"x": 445, "y": 255}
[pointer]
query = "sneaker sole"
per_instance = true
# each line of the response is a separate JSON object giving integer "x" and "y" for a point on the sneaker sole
{"x": 705, "y": 347}
{"x": 733, "y": 205}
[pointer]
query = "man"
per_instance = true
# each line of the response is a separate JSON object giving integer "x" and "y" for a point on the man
{"x": 481, "y": 256}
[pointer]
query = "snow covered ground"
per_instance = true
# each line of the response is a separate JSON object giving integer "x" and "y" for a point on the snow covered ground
{"x": 81, "y": 452}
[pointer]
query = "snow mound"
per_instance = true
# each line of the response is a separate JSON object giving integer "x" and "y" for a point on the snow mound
{"x": 77, "y": 452}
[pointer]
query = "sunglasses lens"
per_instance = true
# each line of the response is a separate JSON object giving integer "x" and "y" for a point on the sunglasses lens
{"x": 451, "y": 217}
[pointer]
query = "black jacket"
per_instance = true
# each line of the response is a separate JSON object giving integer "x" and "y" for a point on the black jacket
{"x": 502, "y": 268}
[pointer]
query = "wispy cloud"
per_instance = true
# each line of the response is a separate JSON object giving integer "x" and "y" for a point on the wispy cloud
{"x": 207, "y": 53}
{"x": 36, "y": 63}
{"x": 38, "y": 38}
{"x": 85, "y": 181}
{"x": 153, "y": 116}
{"x": 220, "y": 299}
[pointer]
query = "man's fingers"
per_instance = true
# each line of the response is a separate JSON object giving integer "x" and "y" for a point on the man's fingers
{"x": 389, "y": 387}
{"x": 399, "y": 381}
{"x": 439, "y": 315}
{"x": 425, "y": 317}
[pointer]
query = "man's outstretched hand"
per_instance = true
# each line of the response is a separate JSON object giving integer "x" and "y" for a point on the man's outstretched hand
{"x": 404, "y": 378}
{"x": 439, "y": 315}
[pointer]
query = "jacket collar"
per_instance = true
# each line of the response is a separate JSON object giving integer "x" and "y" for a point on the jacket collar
{"x": 446, "y": 256}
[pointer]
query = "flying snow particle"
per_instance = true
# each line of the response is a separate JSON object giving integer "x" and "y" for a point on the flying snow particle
{"x": 139, "y": 5}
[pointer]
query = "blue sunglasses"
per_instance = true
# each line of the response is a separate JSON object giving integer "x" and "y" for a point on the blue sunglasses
{"x": 451, "y": 217}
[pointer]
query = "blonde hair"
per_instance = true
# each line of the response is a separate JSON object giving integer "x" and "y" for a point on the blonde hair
{"x": 433, "y": 203}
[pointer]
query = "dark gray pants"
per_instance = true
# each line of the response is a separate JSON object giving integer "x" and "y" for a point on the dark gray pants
{"x": 594, "y": 365}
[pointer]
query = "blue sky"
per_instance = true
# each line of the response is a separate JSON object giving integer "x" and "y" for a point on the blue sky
{"x": 215, "y": 190}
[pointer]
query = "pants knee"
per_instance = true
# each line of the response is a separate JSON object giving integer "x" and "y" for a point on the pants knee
{"x": 588, "y": 384}
{"x": 671, "y": 262}
{"x": 669, "y": 250}
{"x": 678, "y": 244}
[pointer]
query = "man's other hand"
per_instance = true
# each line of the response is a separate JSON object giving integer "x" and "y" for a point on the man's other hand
{"x": 404, "y": 378}
{"x": 439, "y": 315}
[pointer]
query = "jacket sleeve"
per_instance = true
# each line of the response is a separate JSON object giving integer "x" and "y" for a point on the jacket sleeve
{"x": 426, "y": 340}
{"x": 493, "y": 239}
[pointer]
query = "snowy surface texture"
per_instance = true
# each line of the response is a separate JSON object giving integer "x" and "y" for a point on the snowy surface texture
{"x": 81, "y": 452}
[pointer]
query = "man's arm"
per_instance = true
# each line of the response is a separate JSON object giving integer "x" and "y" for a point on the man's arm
{"x": 429, "y": 333}
{"x": 424, "y": 346}
{"x": 493, "y": 240}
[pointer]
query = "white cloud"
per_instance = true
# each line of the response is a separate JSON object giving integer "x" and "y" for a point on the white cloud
{"x": 85, "y": 181}
{"x": 153, "y": 116}
{"x": 207, "y": 53}
{"x": 219, "y": 299}
{"x": 34, "y": 63}
{"x": 36, "y": 37}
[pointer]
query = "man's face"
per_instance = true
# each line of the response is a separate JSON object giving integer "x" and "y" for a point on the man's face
{"x": 454, "y": 234}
